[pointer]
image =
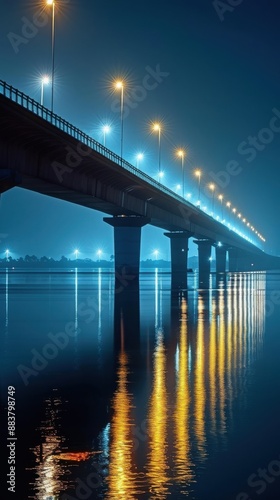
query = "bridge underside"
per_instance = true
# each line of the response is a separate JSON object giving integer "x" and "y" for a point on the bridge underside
{"x": 36, "y": 155}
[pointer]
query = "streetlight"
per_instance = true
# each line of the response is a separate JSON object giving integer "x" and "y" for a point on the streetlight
{"x": 156, "y": 127}
{"x": 120, "y": 86}
{"x": 177, "y": 188}
{"x": 181, "y": 154}
{"x": 222, "y": 208}
{"x": 44, "y": 81}
{"x": 156, "y": 252}
{"x": 197, "y": 173}
{"x": 105, "y": 129}
{"x": 99, "y": 253}
{"x": 212, "y": 187}
{"x": 139, "y": 157}
{"x": 51, "y": 2}
{"x": 76, "y": 252}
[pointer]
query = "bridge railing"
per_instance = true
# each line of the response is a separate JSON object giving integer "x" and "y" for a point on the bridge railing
{"x": 31, "y": 105}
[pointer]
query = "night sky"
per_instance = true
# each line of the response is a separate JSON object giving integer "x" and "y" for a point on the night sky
{"x": 218, "y": 86}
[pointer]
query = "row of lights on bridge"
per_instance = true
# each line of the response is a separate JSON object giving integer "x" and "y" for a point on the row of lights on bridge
{"x": 156, "y": 127}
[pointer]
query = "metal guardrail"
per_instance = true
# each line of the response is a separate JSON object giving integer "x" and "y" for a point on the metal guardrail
{"x": 31, "y": 105}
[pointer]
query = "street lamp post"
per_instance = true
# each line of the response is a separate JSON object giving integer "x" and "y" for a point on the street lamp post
{"x": 45, "y": 81}
{"x": 156, "y": 252}
{"x": 120, "y": 86}
{"x": 198, "y": 175}
{"x": 99, "y": 253}
{"x": 106, "y": 129}
{"x": 139, "y": 157}
{"x": 157, "y": 128}
{"x": 52, "y": 3}
{"x": 181, "y": 154}
{"x": 212, "y": 187}
{"x": 222, "y": 208}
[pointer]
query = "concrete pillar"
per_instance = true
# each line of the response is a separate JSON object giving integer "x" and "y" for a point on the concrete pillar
{"x": 204, "y": 262}
{"x": 179, "y": 257}
{"x": 221, "y": 257}
{"x": 127, "y": 239}
{"x": 204, "y": 255}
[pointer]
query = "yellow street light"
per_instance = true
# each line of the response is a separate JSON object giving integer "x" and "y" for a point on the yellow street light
{"x": 119, "y": 85}
{"x": 156, "y": 127}
{"x": 181, "y": 154}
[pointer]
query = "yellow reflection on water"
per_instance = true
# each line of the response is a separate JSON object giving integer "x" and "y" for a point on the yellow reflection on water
{"x": 183, "y": 465}
{"x": 213, "y": 367}
{"x": 221, "y": 360}
{"x": 122, "y": 480}
{"x": 157, "y": 425}
{"x": 199, "y": 381}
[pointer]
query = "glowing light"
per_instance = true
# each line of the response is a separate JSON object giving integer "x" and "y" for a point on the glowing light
{"x": 99, "y": 253}
{"x": 139, "y": 157}
{"x": 106, "y": 129}
{"x": 76, "y": 252}
{"x": 156, "y": 127}
{"x": 119, "y": 84}
{"x": 155, "y": 253}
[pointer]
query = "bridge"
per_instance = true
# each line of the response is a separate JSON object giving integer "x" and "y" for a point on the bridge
{"x": 44, "y": 153}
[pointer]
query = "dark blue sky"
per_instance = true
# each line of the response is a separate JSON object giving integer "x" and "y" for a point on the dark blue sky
{"x": 221, "y": 89}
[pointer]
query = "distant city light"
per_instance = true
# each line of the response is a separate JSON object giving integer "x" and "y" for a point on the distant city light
{"x": 156, "y": 253}
{"x": 76, "y": 252}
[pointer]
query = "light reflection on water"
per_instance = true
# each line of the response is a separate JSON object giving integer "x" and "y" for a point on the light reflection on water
{"x": 180, "y": 370}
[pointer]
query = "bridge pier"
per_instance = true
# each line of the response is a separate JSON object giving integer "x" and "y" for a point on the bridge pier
{"x": 127, "y": 239}
{"x": 179, "y": 257}
{"x": 221, "y": 257}
{"x": 204, "y": 260}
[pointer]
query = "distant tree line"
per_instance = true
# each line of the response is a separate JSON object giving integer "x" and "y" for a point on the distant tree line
{"x": 30, "y": 261}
